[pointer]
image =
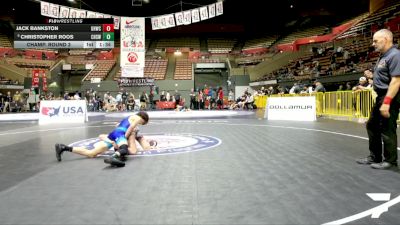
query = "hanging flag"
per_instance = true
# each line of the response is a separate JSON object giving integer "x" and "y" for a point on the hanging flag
{"x": 35, "y": 78}
{"x": 171, "y": 21}
{"x": 203, "y": 13}
{"x": 44, "y": 81}
{"x": 99, "y": 15}
{"x": 54, "y": 10}
{"x": 81, "y": 13}
{"x": 117, "y": 19}
{"x": 179, "y": 18}
{"x": 195, "y": 16}
{"x": 163, "y": 22}
{"x": 155, "y": 23}
{"x": 45, "y": 9}
{"x": 64, "y": 12}
{"x": 211, "y": 11}
{"x": 187, "y": 17}
{"x": 90, "y": 14}
{"x": 132, "y": 41}
{"x": 73, "y": 13}
{"x": 220, "y": 9}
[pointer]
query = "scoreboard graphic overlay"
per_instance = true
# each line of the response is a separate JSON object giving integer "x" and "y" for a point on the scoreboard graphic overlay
{"x": 66, "y": 33}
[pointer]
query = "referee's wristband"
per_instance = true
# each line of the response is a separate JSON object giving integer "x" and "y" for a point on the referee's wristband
{"x": 387, "y": 100}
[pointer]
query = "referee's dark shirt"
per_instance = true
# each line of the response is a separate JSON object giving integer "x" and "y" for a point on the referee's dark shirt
{"x": 388, "y": 66}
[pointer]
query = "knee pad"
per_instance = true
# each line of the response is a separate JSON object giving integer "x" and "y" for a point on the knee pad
{"x": 123, "y": 150}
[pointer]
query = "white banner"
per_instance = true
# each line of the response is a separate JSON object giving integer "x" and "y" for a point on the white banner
{"x": 170, "y": 20}
{"x": 64, "y": 111}
{"x": 99, "y": 15}
{"x": 163, "y": 22}
{"x": 54, "y": 10}
{"x": 203, "y": 13}
{"x": 195, "y": 16}
{"x": 155, "y": 23}
{"x": 45, "y": 9}
{"x": 179, "y": 18}
{"x": 64, "y": 12}
{"x": 90, "y": 14}
{"x": 73, "y": 13}
{"x": 117, "y": 19}
{"x": 158, "y": 22}
{"x": 187, "y": 17}
{"x": 220, "y": 8}
{"x": 132, "y": 71}
{"x": 132, "y": 41}
{"x": 81, "y": 13}
{"x": 211, "y": 11}
{"x": 291, "y": 108}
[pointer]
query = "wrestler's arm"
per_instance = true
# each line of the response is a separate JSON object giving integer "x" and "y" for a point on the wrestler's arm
{"x": 145, "y": 144}
{"x": 134, "y": 121}
{"x": 132, "y": 144}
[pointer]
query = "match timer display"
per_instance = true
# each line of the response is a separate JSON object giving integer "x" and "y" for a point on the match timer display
{"x": 66, "y": 33}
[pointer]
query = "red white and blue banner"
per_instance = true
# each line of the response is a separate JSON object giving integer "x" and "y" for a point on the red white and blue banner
{"x": 70, "y": 111}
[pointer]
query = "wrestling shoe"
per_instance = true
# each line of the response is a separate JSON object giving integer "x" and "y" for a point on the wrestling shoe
{"x": 114, "y": 161}
{"x": 59, "y": 150}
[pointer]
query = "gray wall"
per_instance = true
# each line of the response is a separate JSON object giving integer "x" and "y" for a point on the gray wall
{"x": 240, "y": 80}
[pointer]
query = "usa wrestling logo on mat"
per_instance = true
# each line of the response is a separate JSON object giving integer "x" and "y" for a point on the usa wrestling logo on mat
{"x": 166, "y": 144}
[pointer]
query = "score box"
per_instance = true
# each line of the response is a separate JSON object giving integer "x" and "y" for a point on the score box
{"x": 108, "y": 27}
{"x": 108, "y": 36}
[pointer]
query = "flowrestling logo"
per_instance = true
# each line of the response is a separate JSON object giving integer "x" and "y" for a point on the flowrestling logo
{"x": 166, "y": 144}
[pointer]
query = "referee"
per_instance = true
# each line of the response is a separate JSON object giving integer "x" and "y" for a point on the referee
{"x": 382, "y": 125}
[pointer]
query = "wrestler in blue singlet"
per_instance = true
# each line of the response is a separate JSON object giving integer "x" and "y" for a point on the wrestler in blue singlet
{"x": 118, "y": 134}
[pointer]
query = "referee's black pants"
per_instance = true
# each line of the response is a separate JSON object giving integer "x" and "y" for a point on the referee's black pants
{"x": 383, "y": 129}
